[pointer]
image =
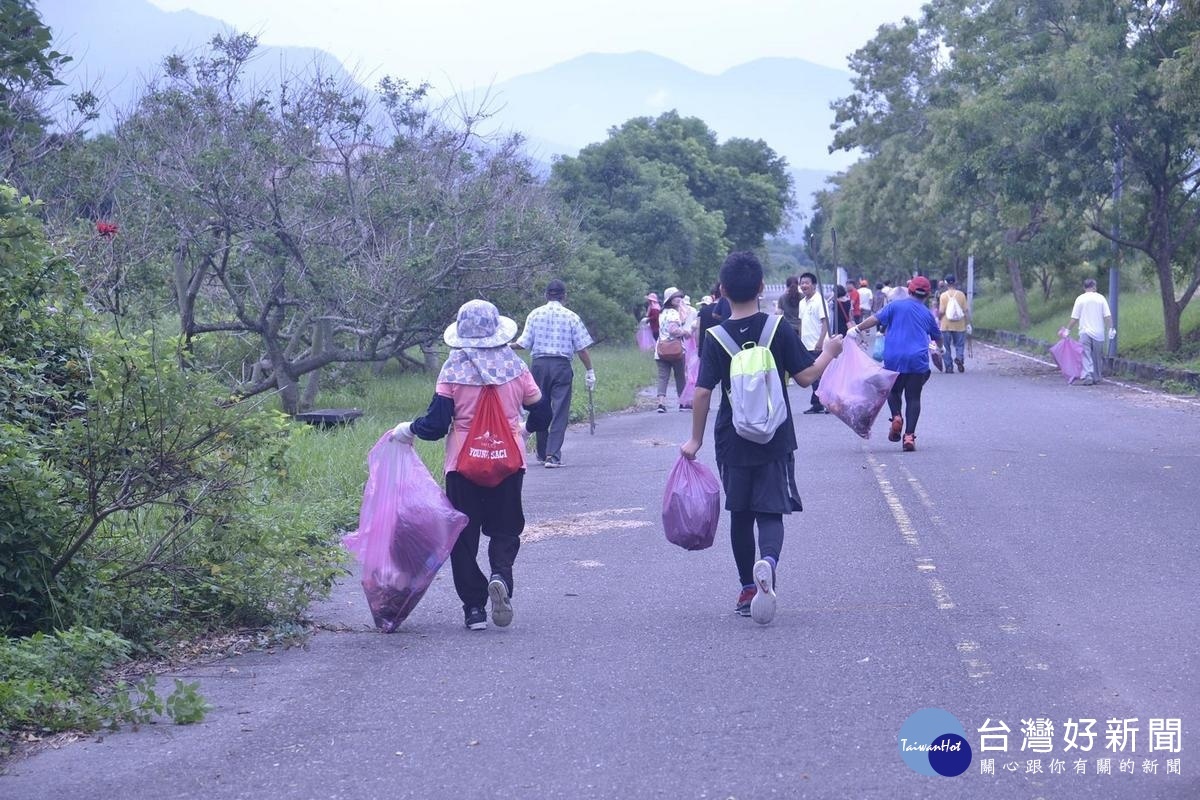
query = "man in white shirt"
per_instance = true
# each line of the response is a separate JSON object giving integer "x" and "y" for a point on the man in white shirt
{"x": 1092, "y": 316}
{"x": 813, "y": 329}
{"x": 864, "y": 298}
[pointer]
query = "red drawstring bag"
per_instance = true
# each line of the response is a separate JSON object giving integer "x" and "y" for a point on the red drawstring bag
{"x": 490, "y": 453}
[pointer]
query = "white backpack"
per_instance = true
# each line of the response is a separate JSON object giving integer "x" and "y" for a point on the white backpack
{"x": 954, "y": 311}
{"x": 755, "y": 389}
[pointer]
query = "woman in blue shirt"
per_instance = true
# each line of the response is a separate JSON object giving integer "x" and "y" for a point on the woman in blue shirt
{"x": 910, "y": 328}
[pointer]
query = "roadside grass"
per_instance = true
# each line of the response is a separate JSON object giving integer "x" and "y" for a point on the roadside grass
{"x": 1140, "y": 324}
{"x": 329, "y": 466}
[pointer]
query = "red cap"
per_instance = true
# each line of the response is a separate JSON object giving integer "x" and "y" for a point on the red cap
{"x": 919, "y": 285}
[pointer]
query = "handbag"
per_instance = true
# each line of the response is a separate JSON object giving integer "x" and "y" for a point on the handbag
{"x": 670, "y": 350}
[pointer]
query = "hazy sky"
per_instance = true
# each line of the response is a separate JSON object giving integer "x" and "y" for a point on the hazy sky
{"x": 458, "y": 44}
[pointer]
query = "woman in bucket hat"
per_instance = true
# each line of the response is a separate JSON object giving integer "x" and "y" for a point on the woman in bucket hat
{"x": 669, "y": 351}
{"x": 480, "y": 357}
{"x": 911, "y": 327}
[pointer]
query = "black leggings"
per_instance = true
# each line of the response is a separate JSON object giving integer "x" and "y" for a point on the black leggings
{"x": 909, "y": 384}
{"x": 741, "y": 534}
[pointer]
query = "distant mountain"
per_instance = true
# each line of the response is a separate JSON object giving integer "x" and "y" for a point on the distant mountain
{"x": 118, "y": 45}
{"x": 783, "y": 101}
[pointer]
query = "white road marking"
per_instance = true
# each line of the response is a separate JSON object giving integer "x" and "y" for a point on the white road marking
{"x": 976, "y": 666}
{"x": 1122, "y": 384}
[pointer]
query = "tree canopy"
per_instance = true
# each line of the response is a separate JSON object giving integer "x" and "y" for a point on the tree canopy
{"x": 664, "y": 194}
{"x": 1000, "y": 127}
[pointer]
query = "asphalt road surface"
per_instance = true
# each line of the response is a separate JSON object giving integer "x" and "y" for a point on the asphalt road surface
{"x": 1033, "y": 564}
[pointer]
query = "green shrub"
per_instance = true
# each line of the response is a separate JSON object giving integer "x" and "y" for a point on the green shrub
{"x": 56, "y": 682}
{"x": 133, "y": 495}
{"x": 48, "y": 682}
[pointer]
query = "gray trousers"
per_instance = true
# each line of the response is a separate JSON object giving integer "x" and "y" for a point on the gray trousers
{"x": 665, "y": 368}
{"x": 553, "y": 376}
{"x": 1093, "y": 357}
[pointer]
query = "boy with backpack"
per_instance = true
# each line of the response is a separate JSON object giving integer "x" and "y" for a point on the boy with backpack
{"x": 753, "y": 435}
{"x": 477, "y": 401}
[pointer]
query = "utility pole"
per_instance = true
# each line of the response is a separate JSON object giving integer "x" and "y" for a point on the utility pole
{"x": 1114, "y": 269}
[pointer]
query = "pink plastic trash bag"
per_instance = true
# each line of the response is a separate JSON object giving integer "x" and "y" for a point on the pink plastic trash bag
{"x": 406, "y": 528}
{"x": 854, "y": 388}
{"x": 691, "y": 356}
{"x": 1068, "y": 354}
{"x": 645, "y": 339}
{"x": 691, "y": 505}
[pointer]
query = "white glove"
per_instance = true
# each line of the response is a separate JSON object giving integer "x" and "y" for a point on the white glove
{"x": 970, "y": 330}
{"x": 1112, "y": 333}
{"x": 590, "y": 379}
{"x": 402, "y": 433}
{"x": 1063, "y": 333}
{"x": 853, "y": 332}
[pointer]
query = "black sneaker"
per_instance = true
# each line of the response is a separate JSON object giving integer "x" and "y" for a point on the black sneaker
{"x": 552, "y": 462}
{"x": 476, "y": 618}
{"x": 814, "y": 410}
{"x": 662, "y": 409}
{"x": 502, "y": 610}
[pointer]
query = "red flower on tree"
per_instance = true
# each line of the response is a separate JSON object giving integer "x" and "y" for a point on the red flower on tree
{"x": 106, "y": 229}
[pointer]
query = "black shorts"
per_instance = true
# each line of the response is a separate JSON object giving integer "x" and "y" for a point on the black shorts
{"x": 766, "y": 488}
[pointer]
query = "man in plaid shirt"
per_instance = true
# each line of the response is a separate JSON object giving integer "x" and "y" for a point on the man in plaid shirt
{"x": 554, "y": 334}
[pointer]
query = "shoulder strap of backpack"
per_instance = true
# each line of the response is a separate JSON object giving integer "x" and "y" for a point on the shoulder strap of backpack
{"x": 768, "y": 332}
{"x": 724, "y": 339}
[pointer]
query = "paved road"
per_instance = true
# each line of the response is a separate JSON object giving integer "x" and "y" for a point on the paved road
{"x": 1035, "y": 558}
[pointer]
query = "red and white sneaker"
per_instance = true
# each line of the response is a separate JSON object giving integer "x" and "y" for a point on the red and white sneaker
{"x": 743, "y": 602}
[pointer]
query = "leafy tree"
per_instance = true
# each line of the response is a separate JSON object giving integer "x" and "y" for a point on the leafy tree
{"x": 321, "y": 228}
{"x": 1005, "y": 117}
{"x": 641, "y": 210}
{"x": 1152, "y": 122}
{"x": 666, "y": 195}
{"x": 129, "y": 497}
{"x": 41, "y": 385}
{"x": 29, "y": 72}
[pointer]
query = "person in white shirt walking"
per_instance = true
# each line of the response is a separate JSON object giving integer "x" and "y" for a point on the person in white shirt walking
{"x": 814, "y": 327}
{"x": 1092, "y": 316}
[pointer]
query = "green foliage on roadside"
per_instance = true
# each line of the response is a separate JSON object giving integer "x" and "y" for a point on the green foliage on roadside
{"x": 134, "y": 495}
{"x": 328, "y": 468}
{"x": 55, "y": 682}
{"x": 1140, "y": 324}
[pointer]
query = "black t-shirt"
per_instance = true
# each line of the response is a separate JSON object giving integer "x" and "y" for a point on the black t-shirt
{"x": 790, "y": 358}
{"x": 721, "y": 309}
